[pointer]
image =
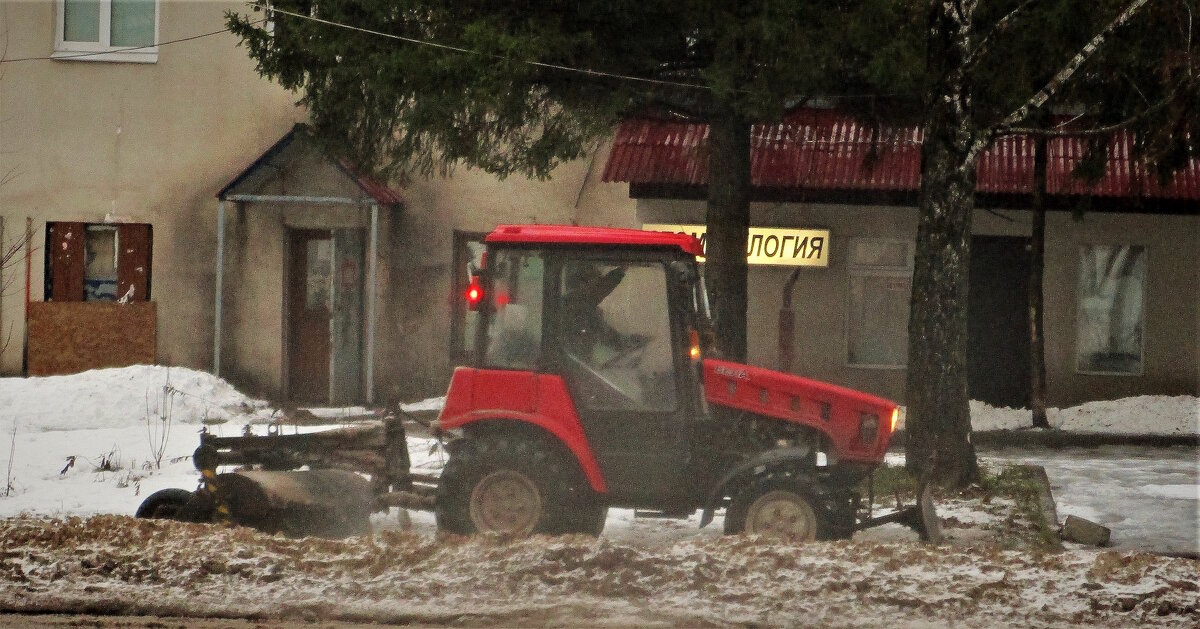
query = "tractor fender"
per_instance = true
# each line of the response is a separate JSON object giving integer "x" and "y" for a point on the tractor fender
{"x": 770, "y": 460}
{"x": 569, "y": 435}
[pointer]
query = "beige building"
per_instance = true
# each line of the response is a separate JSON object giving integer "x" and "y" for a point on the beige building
{"x": 116, "y": 140}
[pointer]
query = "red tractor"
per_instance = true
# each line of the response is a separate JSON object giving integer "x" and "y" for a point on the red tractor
{"x": 592, "y": 383}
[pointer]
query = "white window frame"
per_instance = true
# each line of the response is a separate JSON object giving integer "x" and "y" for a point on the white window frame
{"x": 886, "y": 271}
{"x": 101, "y": 50}
{"x": 1141, "y": 371}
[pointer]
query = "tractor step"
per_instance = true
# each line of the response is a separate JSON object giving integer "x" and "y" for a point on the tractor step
{"x": 662, "y": 515}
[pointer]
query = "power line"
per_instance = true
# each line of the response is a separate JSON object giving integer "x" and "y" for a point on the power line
{"x": 119, "y": 50}
{"x": 468, "y": 51}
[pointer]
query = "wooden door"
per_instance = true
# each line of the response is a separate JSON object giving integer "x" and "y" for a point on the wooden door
{"x": 309, "y": 307}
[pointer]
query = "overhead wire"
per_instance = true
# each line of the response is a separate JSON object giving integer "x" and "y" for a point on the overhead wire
{"x": 539, "y": 64}
{"x": 60, "y": 56}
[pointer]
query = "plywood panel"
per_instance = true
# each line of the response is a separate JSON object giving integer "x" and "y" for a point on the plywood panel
{"x": 69, "y": 337}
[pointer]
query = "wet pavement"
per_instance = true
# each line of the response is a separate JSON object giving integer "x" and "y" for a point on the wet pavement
{"x": 1149, "y": 497}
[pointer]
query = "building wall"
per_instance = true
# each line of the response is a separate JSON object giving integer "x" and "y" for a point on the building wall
{"x": 142, "y": 142}
{"x": 820, "y": 297}
{"x": 1172, "y": 298}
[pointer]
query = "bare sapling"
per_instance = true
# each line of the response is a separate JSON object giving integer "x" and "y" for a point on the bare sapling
{"x": 12, "y": 451}
{"x": 158, "y": 422}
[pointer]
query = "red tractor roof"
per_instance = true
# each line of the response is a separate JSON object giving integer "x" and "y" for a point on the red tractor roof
{"x": 575, "y": 235}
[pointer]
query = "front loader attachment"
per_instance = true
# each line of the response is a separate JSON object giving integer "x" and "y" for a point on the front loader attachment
{"x": 322, "y": 503}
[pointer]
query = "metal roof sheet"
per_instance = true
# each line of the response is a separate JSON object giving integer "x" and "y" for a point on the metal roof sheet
{"x": 821, "y": 149}
{"x": 577, "y": 235}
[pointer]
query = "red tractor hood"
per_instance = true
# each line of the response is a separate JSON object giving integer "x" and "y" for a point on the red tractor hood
{"x": 858, "y": 425}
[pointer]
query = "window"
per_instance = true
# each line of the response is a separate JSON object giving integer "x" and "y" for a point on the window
{"x": 515, "y": 310}
{"x": 1110, "y": 315}
{"x": 880, "y": 289}
{"x": 615, "y": 333}
{"x": 468, "y": 260}
{"x": 107, "y": 30}
{"x": 97, "y": 262}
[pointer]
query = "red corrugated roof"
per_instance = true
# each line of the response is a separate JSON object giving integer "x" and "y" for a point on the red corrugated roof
{"x": 829, "y": 150}
{"x": 576, "y": 235}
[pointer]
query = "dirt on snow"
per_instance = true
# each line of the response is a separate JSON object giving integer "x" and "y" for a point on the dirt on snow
{"x": 118, "y": 565}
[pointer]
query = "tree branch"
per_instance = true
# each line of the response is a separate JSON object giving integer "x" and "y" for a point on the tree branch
{"x": 1056, "y": 83}
{"x": 998, "y": 29}
{"x": 1081, "y": 133}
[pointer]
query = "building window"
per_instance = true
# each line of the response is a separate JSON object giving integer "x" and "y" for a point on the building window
{"x": 1111, "y": 316}
{"x": 107, "y": 30}
{"x": 97, "y": 262}
{"x": 880, "y": 289}
{"x": 468, "y": 261}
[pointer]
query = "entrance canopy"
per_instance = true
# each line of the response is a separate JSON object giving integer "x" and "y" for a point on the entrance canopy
{"x": 294, "y": 173}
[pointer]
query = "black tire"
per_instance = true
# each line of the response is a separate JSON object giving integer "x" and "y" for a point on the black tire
{"x": 164, "y": 504}
{"x": 484, "y": 471}
{"x": 780, "y": 506}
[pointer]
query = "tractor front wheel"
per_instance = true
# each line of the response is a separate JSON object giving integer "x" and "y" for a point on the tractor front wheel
{"x": 779, "y": 508}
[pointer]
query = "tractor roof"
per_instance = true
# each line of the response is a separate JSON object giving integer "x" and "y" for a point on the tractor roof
{"x": 604, "y": 236}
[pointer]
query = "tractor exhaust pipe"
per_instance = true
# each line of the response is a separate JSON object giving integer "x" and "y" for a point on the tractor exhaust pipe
{"x": 787, "y": 324}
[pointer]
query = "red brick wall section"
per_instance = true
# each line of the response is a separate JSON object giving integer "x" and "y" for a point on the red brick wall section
{"x": 70, "y": 337}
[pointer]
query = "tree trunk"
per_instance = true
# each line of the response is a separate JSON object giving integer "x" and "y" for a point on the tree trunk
{"x": 938, "y": 443}
{"x": 728, "y": 221}
{"x": 1037, "y": 265}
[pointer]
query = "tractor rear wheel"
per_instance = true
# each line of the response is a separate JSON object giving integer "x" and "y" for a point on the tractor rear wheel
{"x": 510, "y": 484}
{"x": 777, "y": 507}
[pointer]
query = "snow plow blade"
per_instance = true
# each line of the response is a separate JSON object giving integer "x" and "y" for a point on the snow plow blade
{"x": 321, "y": 503}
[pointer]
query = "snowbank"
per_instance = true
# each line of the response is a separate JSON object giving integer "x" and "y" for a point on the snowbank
{"x": 1141, "y": 415}
{"x": 123, "y": 397}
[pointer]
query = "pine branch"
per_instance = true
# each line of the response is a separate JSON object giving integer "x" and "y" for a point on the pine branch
{"x": 1038, "y": 100}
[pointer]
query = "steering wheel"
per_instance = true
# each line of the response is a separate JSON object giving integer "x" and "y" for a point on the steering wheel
{"x": 631, "y": 354}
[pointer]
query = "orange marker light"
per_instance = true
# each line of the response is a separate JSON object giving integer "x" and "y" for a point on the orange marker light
{"x": 694, "y": 342}
{"x": 895, "y": 417}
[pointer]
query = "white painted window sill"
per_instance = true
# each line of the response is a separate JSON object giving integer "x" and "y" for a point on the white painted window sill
{"x": 117, "y": 56}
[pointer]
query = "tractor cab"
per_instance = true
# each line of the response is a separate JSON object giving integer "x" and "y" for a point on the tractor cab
{"x": 615, "y": 319}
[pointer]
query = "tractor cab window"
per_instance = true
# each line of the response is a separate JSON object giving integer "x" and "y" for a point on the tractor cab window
{"x": 615, "y": 333}
{"x": 514, "y": 329}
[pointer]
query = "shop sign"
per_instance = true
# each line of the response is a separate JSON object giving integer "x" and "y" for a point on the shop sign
{"x": 778, "y": 246}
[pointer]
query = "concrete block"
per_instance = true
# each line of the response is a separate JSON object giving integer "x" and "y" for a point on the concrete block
{"x": 1083, "y": 531}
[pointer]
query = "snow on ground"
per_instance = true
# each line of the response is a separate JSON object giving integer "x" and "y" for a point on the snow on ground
{"x": 117, "y": 565}
{"x": 96, "y": 444}
{"x": 119, "y": 398}
{"x": 1144, "y": 415}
